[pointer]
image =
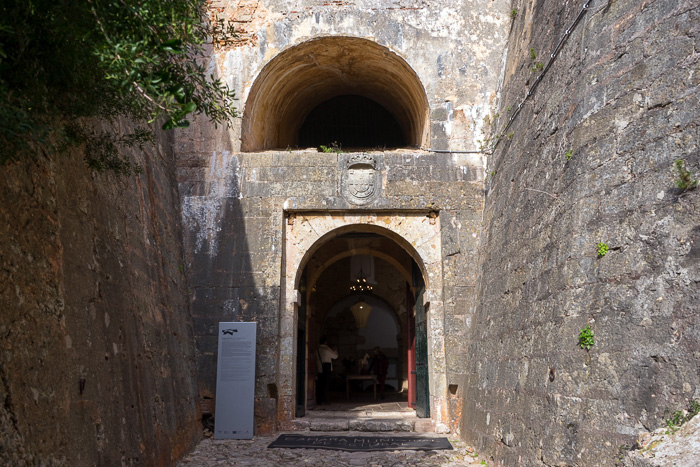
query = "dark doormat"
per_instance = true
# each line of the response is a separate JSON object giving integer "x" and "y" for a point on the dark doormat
{"x": 361, "y": 443}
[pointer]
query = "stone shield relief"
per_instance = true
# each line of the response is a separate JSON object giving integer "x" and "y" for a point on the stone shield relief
{"x": 361, "y": 180}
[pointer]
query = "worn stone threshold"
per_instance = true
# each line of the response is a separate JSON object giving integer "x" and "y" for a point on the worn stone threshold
{"x": 365, "y": 424}
{"x": 364, "y": 416}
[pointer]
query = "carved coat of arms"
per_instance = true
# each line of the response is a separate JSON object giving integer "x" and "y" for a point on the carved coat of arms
{"x": 361, "y": 181}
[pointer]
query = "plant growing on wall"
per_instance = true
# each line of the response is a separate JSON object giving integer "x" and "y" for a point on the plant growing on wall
{"x": 65, "y": 64}
{"x": 332, "y": 147}
{"x": 679, "y": 417}
{"x": 622, "y": 453}
{"x": 686, "y": 180}
{"x": 586, "y": 339}
{"x": 602, "y": 249}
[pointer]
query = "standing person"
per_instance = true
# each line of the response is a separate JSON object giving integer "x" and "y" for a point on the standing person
{"x": 380, "y": 366}
{"x": 326, "y": 355}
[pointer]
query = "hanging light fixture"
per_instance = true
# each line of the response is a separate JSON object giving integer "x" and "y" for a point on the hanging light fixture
{"x": 360, "y": 310}
{"x": 360, "y": 284}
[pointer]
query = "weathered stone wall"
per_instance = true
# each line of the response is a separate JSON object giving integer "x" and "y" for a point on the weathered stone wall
{"x": 233, "y": 208}
{"x": 454, "y": 47}
{"x": 97, "y": 362}
{"x": 623, "y": 97}
{"x": 234, "y": 201}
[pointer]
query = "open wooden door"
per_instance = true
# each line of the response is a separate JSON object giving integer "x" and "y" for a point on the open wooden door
{"x": 300, "y": 409}
{"x": 421, "y": 345}
{"x": 312, "y": 364}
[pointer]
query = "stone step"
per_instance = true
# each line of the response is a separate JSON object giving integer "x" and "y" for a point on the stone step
{"x": 361, "y": 414}
{"x": 362, "y": 424}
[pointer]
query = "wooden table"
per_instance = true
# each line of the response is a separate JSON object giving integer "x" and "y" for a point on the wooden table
{"x": 349, "y": 378}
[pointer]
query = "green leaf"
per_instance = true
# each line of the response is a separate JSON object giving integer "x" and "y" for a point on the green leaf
{"x": 189, "y": 107}
{"x": 173, "y": 45}
{"x": 180, "y": 95}
{"x": 169, "y": 124}
{"x": 173, "y": 123}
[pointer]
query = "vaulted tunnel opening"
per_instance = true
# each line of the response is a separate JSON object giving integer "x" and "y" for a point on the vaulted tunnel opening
{"x": 353, "y": 122}
{"x": 335, "y": 89}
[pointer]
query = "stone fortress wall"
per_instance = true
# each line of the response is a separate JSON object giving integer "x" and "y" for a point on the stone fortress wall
{"x": 97, "y": 364}
{"x": 623, "y": 98}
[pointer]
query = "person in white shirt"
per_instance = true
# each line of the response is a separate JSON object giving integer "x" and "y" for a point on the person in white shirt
{"x": 326, "y": 355}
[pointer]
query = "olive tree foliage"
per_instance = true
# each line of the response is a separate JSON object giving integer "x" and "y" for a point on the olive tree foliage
{"x": 65, "y": 64}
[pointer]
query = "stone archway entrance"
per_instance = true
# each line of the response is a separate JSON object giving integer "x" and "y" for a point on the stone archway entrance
{"x": 416, "y": 240}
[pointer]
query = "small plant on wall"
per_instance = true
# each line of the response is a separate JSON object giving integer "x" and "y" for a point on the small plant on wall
{"x": 586, "y": 339}
{"x": 332, "y": 147}
{"x": 685, "y": 181}
{"x": 679, "y": 417}
{"x": 538, "y": 66}
{"x": 602, "y": 249}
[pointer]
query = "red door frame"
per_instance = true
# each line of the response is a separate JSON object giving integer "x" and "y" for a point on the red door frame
{"x": 411, "y": 347}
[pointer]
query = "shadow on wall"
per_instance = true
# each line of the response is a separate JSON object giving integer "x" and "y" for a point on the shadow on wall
{"x": 221, "y": 229}
{"x": 98, "y": 361}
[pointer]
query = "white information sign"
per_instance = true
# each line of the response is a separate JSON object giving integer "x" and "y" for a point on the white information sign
{"x": 235, "y": 381}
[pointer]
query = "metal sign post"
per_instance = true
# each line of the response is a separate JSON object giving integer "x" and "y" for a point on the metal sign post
{"x": 235, "y": 381}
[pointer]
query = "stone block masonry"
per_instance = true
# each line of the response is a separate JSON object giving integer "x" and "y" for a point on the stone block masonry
{"x": 455, "y": 49}
{"x": 622, "y": 101}
{"x": 97, "y": 363}
{"x": 434, "y": 66}
{"x": 234, "y": 246}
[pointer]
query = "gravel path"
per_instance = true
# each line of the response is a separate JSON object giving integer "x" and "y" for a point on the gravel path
{"x": 256, "y": 453}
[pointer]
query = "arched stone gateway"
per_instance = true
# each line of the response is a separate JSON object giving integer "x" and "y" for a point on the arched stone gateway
{"x": 353, "y": 79}
{"x": 415, "y": 234}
